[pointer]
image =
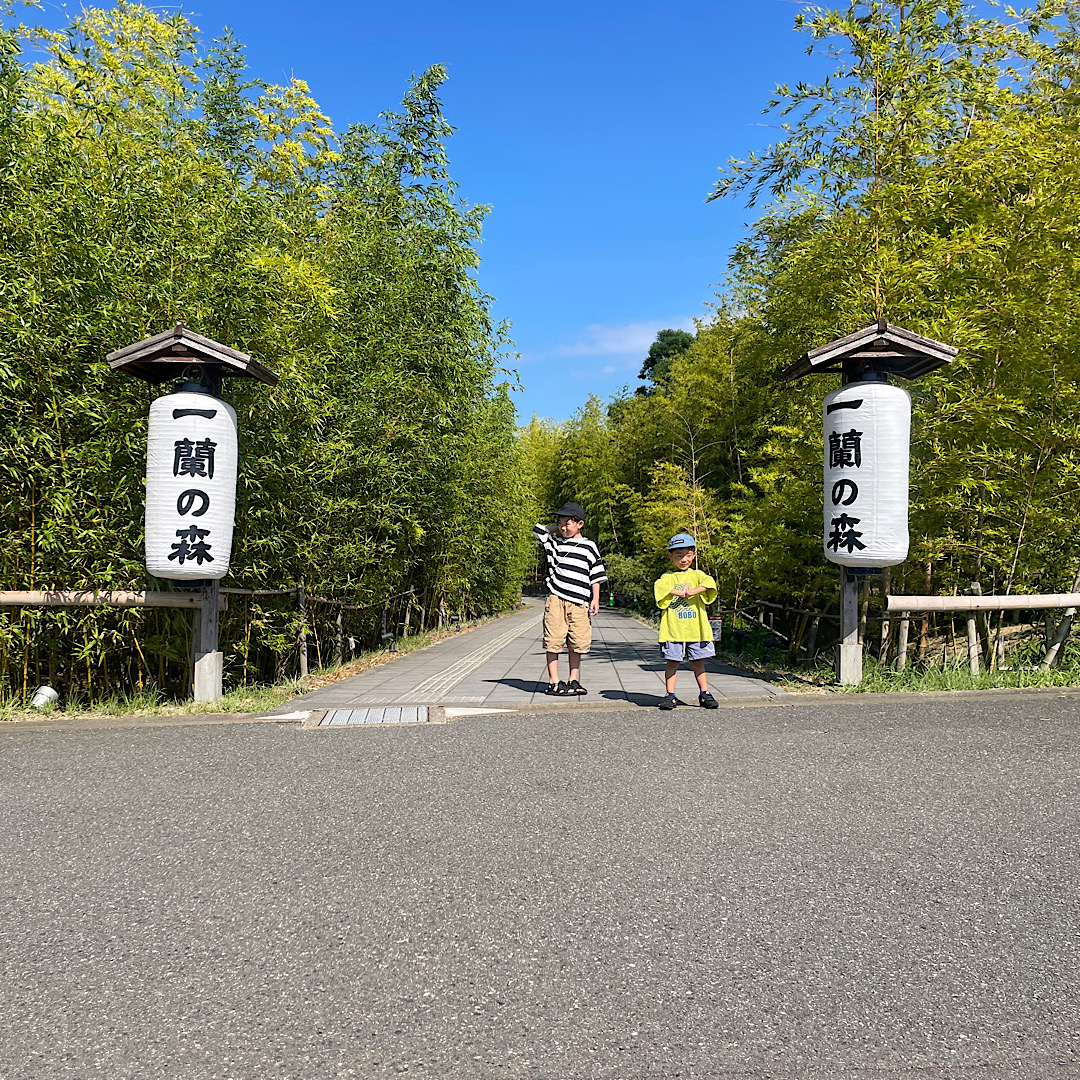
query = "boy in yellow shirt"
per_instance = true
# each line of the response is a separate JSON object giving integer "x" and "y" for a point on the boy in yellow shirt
{"x": 685, "y": 633}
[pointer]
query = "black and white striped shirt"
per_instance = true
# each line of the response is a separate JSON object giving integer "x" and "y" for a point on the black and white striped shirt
{"x": 574, "y": 565}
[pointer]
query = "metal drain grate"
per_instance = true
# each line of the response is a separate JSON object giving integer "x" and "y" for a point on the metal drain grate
{"x": 387, "y": 715}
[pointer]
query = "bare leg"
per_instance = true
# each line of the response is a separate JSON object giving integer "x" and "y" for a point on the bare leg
{"x": 698, "y": 667}
{"x": 553, "y": 667}
{"x": 671, "y": 668}
{"x": 575, "y": 665}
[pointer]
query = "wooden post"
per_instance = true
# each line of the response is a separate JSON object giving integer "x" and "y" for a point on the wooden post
{"x": 902, "y": 642}
{"x": 997, "y": 643}
{"x": 972, "y": 644}
{"x": 849, "y": 651}
{"x": 973, "y": 634}
{"x": 301, "y": 602}
{"x": 339, "y": 639}
{"x": 195, "y": 651}
{"x": 800, "y": 630}
{"x": 1064, "y": 627}
{"x": 886, "y": 622}
{"x": 924, "y": 629}
{"x": 207, "y": 669}
{"x": 1058, "y": 640}
{"x": 408, "y": 613}
{"x": 811, "y": 645}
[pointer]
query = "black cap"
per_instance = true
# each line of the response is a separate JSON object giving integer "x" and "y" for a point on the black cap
{"x": 571, "y": 510}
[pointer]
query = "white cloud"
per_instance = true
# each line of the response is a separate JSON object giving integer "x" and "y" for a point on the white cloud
{"x": 636, "y": 337}
{"x": 610, "y": 369}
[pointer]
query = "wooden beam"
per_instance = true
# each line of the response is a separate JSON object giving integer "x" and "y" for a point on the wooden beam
{"x": 980, "y": 603}
{"x": 93, "y": 598}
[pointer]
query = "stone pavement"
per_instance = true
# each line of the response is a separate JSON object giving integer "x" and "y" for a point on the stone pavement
{"x": 502, "y": 665}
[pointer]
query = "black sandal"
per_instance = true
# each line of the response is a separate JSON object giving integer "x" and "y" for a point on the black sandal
{"x": 558, "y": 689}
{"x": 575, "y": 688}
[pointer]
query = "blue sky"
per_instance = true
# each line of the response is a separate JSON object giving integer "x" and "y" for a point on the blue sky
{"x": 593, "y": 130}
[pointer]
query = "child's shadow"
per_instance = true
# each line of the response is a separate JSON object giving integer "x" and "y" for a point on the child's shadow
{"x": 528, "y": 686}
{"x": 644, "y": 700}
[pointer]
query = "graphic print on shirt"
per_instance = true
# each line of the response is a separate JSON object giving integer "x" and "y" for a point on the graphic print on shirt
{"x": 684, "y": 608}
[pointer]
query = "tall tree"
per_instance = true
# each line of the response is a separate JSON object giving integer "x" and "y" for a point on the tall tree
{"x": 668, "y": 344}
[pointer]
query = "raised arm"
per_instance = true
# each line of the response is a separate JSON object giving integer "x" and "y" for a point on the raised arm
{"x": 543, "y": 536}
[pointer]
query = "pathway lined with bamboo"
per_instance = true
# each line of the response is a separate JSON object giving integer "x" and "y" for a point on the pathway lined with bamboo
{"x": 502, "y": 665}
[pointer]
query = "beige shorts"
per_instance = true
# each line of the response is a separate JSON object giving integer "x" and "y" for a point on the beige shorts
{"x": 566, "y": 625}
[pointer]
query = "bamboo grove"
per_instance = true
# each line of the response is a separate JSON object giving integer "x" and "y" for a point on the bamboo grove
{"x": 147, "y": 179}
{"x": 933, "y": 179}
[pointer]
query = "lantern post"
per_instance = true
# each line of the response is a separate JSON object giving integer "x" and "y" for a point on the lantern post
{"x": 867, "y": 424}
{"x": 191, "y": 469}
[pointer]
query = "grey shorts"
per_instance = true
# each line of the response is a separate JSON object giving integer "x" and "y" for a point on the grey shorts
{"x": 687, "y": 650}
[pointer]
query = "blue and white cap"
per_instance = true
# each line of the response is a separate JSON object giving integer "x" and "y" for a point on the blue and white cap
{"x": 681, "y": 541}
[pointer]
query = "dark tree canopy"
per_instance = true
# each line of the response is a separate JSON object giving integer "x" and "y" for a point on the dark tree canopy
{"x": 668, "y": 344}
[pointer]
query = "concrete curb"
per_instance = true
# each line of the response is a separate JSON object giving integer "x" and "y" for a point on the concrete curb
{"x": 96, "y": 723}
{"x": 437, "y": 714}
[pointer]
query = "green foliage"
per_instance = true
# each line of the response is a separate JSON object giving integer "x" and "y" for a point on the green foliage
{"x": 146, "y": 179}
{"x": 668, "y": 344}
{"x": 934, "y": 179}
{"x": 911, "y": 80}
{"x": 880, "y": 679}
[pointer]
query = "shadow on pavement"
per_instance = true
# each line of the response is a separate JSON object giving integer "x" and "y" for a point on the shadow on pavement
{"x": 626, "y": 653}
{"x": 529, "y": 686}
{"x": 649, "y": 701}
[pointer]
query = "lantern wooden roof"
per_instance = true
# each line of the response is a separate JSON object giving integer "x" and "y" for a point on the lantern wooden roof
{"x": 167, "y": 356}
{"x": 880, "y": 347}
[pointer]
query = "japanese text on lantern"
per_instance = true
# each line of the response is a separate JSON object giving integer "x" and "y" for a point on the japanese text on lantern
{"x": 193, "y": 459}
{"x": 845, "y": 451}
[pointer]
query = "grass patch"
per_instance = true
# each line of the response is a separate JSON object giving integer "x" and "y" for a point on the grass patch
{"x": 243, "y": 699}
{"x": 879, "y": 679}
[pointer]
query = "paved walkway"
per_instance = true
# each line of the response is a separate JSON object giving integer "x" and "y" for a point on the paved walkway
{"x": 502, "y": 665}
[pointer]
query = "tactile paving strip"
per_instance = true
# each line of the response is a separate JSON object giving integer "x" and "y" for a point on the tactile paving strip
{"x": 417, "y": 714}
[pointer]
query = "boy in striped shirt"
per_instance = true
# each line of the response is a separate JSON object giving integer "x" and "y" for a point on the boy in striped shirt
{"x": 575, "y": 572}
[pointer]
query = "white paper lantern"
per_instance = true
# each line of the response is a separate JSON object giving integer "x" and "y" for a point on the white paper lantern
{"x": 867, "y": 432}
{"x": 191, "y": 456}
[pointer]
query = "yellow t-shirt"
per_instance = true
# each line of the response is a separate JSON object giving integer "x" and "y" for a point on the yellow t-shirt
{"x": 684, "y": 619}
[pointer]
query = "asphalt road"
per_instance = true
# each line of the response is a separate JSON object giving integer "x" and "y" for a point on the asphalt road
{"x": 848, "y": 889}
